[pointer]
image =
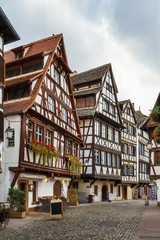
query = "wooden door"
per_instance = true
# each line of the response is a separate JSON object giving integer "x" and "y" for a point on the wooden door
{"x": 124, "y": 192}
{"x": 104, "y": 192}
{"x": 57, "y": 189}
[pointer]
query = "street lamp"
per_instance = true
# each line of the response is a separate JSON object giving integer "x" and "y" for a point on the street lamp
{"x": 149, "y": 144}
{"x": 9, "y": 133}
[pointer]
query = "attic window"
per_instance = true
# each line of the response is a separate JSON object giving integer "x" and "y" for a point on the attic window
{"x": 32, "y": 67}
{"x": 58, "y": 51}
{"x": 19, "y": 55}
{"x": 13, "y": 72}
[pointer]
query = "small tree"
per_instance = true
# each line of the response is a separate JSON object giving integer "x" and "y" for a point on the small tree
{"x": 155, "y": 117}
{"x": 17, "y": 198}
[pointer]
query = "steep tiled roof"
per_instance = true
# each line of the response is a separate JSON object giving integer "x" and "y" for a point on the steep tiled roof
{"x": 140, "y": 117}
{"x": 90, "y": 75}
{"x": 41, "y": 46}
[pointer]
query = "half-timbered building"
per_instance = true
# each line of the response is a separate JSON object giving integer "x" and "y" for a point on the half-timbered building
{"x": 40, "y": 107}
{"x": 154, "y": 152}
{"x": 142, "y": 152}
{"x": 129, "y": 143}
{"x": 7, "y": 35}
{"x": 100, "y": 124}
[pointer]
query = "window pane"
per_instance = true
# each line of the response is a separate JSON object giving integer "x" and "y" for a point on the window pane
{"x": 104, "y": 131}
{"x": 109, "y": 159}
{"x": 64, "y": 114}
{"x": 30, "y": 131}
{"x": 114, "y": 160}
{"x": 11, "y": 142}
{"x": 105, "y": 106}
{"x": 56, "y": 76}
{"x": 51, "y": 104}
{"x": 110, "y": 133}
{"x": 97, "y": 128}
{"x": 97, "y": 156}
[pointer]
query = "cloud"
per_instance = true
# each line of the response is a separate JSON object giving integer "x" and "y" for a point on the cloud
{"x": 97, "y": 32}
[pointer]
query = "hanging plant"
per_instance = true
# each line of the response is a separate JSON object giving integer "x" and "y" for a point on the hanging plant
{"x": 155, "y": 114}
{"x": 41, "y": 149}
{"x": 156, "y": 134}
{"x": 74, "y": 164}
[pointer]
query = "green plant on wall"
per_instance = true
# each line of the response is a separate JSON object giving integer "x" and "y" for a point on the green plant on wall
{"x": 155, "y": 117}
{"x": 17, "y": 199}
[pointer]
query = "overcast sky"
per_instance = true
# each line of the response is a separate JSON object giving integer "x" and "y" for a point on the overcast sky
{"x": 125, "y": 33}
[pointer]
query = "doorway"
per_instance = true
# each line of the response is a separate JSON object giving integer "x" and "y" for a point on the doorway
{"x": 104, "y": 192}
{"x": 57, "y": 189}
{"x": 124, "y": 192}
{"x": 23, "y": 186}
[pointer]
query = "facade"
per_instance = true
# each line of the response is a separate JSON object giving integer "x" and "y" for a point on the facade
{"x": 40, "y": 106}
{"x": 129, "y": 149}
{"x": 154, "y": 153}
{"x": 100, "y": 124}
{"x": 7, "y": 35}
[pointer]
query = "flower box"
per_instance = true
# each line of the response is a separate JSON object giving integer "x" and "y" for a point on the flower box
{"x": 14, "y": 214}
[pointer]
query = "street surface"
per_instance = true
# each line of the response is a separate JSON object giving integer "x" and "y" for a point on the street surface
{"x": 115, "y": 220}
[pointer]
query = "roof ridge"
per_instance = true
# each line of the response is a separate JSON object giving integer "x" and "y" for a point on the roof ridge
{"x": 92, "y": 69}
{"x": 37, "y": 41}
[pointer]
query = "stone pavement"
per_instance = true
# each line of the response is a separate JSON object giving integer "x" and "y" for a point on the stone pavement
{"x": 100, "y": 221}
{"x": 149, "y": 225}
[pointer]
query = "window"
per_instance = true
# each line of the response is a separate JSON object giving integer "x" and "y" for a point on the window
{"x": 97, "y": 128}
{"x": 140, "y": 167}
{"x": 11, "y": 141}
{"x": 109, "y": 87}
{"x": 141, "y": 149}
{"x": 105, "y": 106}
{"x": 132, "y": 130}
{"x": 157, "y": 158}
{"x": 103, "y": 158}
{"x": 96, "y": 190}
{"x": 74, "y": 149}
{"x": 125, "y": 170}
{"x": 31, "y": 67}
{"x": 131, "y": 171}
{"x": 51, "y": 104}
{"x": 48, "y": 137}
{"x": 12, "y": 73}
{"x": 39, "y": 133}
{"x": 110, "y": 133}
{"x": 104, "y": 131}
{"x": 30, "y": 131}
{"x": 68, "y": 146}
{"x": 97, "y": 156}
{"x": 125, "y": 148}
{"x": 109, "y": 159}
{"x": 128, "y": 111}
{"x": 125, "y": 127}
{"x": 117, "y": 136}
{"x": 111, "y": 109}
{"x": 132, "y": 150}
{"x": 18, "y": 92}
{"x": 56, "y": 76}
{"x": 111, "y": 188}
{"x": 64, "y": 114}
{"x": 114, "y": 160}
{"x": 118, "y": 161}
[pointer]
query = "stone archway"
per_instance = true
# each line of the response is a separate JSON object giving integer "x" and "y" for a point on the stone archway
{"x": 104, "y": 192}
{"x": 57, "y": 189}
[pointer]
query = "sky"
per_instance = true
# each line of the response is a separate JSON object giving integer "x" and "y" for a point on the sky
{"x": 125, "y": 33}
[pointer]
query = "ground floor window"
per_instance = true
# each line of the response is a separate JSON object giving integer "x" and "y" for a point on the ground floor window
{"x": 111, "y": 188}
{"x": 96, "y": 190}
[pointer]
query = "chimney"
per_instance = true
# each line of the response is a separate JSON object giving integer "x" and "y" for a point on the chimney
{"x": 133, "y": 105}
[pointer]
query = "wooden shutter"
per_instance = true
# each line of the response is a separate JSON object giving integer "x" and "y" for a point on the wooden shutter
{"x": 1, "y": 125}
{"x": 1, "y": 70}
{"x": 80, "y": 102}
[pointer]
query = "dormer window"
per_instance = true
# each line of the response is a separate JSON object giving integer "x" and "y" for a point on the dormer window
{"x": 128, "y": 111}
{"x": 19, "y": 54}
{"x": 58, "y": 51}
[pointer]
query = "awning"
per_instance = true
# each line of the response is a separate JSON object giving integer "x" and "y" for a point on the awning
{"x": 32, "y": 176}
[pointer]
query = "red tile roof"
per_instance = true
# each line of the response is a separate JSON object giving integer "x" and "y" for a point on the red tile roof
{"x": 40, "y": 46}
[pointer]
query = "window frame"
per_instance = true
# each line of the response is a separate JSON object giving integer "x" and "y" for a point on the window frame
{"x": 11, "y": 141}
{"x": 51, "y": 104}
{"x": 64, "y": 116}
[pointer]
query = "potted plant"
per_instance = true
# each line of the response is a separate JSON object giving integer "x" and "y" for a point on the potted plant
{"x": 45, "y": 152}
{"x": 74, "y": 164}
{"x": 73, "y": 196}
{"x": 17, "y": 200}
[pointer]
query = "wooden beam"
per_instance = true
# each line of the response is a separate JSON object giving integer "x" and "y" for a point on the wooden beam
{"x": 14, "y": 179}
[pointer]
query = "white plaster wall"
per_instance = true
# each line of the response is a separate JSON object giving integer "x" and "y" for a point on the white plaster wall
{"x": 1, "y": 44}
{"x": 10, "y": 156}
{"x": 129, "y": 193}
{"x": 83, "y": 187}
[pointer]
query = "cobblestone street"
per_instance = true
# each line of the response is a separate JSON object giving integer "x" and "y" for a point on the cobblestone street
{"x": 115, "y": 220}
